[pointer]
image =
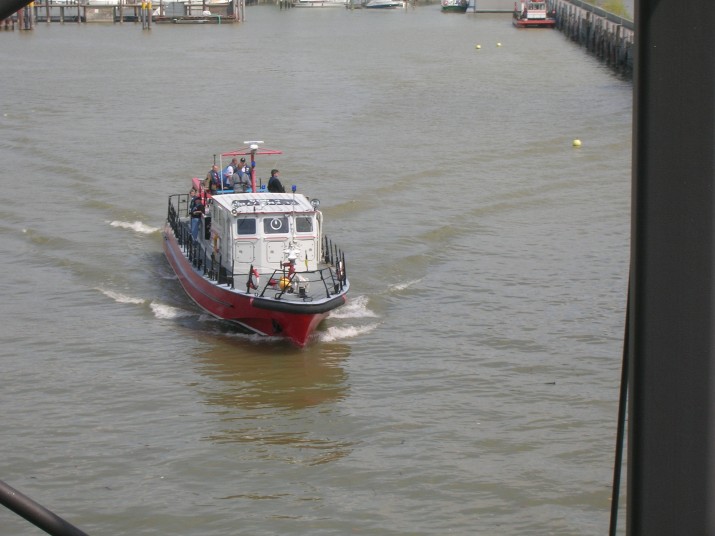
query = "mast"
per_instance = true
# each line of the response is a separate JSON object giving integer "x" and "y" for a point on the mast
{"x": 253, "y": 146}
{"x": 671, "y": 443}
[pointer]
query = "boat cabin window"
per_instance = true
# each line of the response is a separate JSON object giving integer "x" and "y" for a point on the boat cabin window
{"x": 304, "y": 224}
{"x": 246, "y": 226}
{"x": 275, "y": 225}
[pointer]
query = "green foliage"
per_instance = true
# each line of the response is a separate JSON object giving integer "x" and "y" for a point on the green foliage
{"x": 614, "y": 6}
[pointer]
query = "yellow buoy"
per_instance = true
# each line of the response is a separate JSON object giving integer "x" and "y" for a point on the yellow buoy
{"x": 284, "y": 283}
{"x": 477, "y": 46}
{"x": 577, "y": 143}
{"x": 498, "y": 44}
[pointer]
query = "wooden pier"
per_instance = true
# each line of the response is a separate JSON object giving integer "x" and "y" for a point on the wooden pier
{"x": 146, "y": 12}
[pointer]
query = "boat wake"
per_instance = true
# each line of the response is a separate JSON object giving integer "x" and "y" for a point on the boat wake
{"x": 167, "y": 312}
{"x": 355, "y": 308}
{"x": 160, "y": 310}
{"x": 336, "y": 333}
{"x": 121, "y": 298}
{"x": 136, "y": 226}
{"x": 398, "y": 287}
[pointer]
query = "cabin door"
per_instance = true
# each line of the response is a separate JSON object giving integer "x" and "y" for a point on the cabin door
{"x": 274, "y": 252}
{"x": 307, "y": 250}
{"x": 244, "y": 252}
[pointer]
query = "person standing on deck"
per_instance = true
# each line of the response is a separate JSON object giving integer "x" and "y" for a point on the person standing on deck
{"x": 227, "y": 173}
{"x": 196, "y": 209}
{"x": 244, "y": 170}
{"x": 234, "y": 164}
{"x": 274, "y": 183}
{"x": 240, "y": 181}
{"x": 212, "y": 182}
{"x": 245, "y": 173}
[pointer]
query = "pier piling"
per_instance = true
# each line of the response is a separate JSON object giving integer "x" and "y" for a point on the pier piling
{"x": 607, "y": 36}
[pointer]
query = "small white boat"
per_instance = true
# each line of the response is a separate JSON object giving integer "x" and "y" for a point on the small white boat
{"x": 256, "y": 258}
{"x": 320, "y": 3}
{"x": 384, "y": 4}
{"x": 454, "y": 6}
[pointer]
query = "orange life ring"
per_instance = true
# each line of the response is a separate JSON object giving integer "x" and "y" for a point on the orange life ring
{"x": 254, "y": 280}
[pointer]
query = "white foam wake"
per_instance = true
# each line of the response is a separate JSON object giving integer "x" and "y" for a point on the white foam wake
{"x": 403, "y": 286}
{"x": 137, "y": 226}
{"x": 335, "y": 333}
{"x": 355, "y": 308}
{"x": 167, "y": 312}
{"x": 121, "y": 298}
{"x": 160, "y": 310}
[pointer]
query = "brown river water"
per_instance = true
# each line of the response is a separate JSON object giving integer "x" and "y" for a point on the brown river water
{"x": 469, "y": 387}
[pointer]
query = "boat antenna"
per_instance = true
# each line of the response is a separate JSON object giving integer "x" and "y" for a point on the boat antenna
{"x": 253, "y": 146}
{"x": 293, "y": 188}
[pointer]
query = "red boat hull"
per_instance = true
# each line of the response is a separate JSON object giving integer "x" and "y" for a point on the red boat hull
{"x": 534, "y": 23}
{"x": 295, "y": 323}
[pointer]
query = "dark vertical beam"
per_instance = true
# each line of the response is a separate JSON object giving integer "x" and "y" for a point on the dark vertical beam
{"x": 35, "y": 513}
{"x": 8, "y": 7}
{"x": 671, "y": 477}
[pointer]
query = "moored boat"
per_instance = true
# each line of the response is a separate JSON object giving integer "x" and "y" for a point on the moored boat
{"x": 454, "y": 6}
{"x": 259, "y": 258}
{"x": 384, "y": 4}
{"x": 533, "y": 14}
{"x": 320, "y": 3}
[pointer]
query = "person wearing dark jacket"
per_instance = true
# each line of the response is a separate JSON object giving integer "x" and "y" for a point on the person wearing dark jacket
{"x": 212, "y": 182}
{"x": 274, "y": 183}
{"x": 196, "y": 208}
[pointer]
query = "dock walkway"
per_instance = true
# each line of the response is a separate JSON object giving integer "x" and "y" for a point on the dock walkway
{"x": 163, "y": 11}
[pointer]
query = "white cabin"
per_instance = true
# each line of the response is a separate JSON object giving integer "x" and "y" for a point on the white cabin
{"x": 264, "y": 230}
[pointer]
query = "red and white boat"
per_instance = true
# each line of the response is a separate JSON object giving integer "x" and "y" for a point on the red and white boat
{"x": 260, "y": 260}
{"x": 533, "y": 14}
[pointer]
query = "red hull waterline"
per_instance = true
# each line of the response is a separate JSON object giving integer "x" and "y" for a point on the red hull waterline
{"x": 534, "y": 23}
{"x": 242, "y": 308}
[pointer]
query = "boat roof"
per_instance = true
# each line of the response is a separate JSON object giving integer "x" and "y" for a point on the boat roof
{"x": 264, "y": 202}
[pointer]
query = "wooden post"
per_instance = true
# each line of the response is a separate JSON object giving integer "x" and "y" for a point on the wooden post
{"x": 27, "y": 19}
